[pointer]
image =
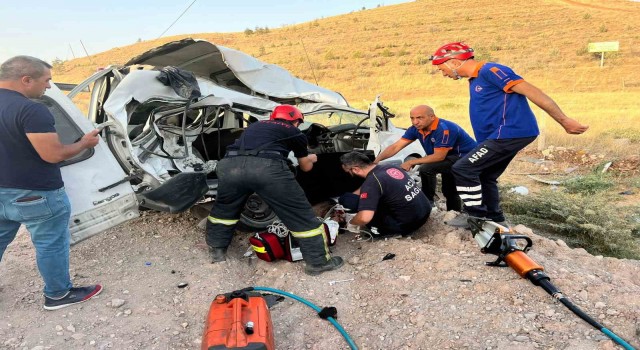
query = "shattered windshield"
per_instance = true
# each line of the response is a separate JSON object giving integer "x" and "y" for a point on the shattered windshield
{"x": 334, "y": 118}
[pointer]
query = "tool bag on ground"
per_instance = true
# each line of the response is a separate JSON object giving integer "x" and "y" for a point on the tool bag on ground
{"x": 277, "y": 243}
{"x": 267, "y": 246}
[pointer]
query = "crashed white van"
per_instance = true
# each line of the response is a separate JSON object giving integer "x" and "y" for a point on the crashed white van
{"x": 159, "y": 150}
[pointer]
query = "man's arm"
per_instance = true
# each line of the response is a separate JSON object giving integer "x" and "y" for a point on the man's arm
{"x": 547, "y": 104}
{"x": 362, "y": 218}
{"x": 392, "y": 150}
{"x": 439, "y": 154}
{"x": 306, "y": 163}
{"x": 51, "y": 150}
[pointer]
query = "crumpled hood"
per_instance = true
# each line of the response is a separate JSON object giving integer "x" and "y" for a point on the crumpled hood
{"x": 236, "y": 70}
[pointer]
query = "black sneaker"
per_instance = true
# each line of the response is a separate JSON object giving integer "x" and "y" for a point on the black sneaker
{"x": 334, "y": 263}
{"x": 74, "y": 296}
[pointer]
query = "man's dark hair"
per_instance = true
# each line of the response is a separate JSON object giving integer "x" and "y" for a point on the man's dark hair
{"x": 353, "y": 159}
{"x": 23, "y": 66}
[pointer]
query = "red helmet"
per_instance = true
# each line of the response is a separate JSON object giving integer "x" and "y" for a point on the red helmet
{"x": 459, "y": 50}
{"x": 287, "y": 112}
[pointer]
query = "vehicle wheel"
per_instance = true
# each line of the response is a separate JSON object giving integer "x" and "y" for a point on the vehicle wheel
{"x": 256, "y": 216}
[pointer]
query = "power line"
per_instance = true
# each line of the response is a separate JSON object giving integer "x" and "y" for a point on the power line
{"x": 308, "y": 60}
{"x": 174, "y": 22}
{"x": 72, "y": 54}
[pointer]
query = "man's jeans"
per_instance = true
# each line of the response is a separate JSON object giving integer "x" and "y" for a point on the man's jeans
{"x": 46, "y": 216}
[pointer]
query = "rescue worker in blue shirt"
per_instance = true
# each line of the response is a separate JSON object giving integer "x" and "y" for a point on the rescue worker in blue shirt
{"x": 256, "y": 162}
{"x": 502, "y": 121}
{"x": 444, "y": 142}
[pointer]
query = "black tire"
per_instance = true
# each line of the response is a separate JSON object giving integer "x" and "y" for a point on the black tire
{"x": 256, "y": 216}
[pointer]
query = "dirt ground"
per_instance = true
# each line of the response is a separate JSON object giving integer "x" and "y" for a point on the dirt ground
{"x": 435, "y": 294}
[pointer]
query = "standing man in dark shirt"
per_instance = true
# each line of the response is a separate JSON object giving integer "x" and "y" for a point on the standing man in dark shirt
{"x": 389, "y": 199}
{"x": 444, "y": 142}
{"x": 256, "y": 162}
{"x": 31, "y": 188}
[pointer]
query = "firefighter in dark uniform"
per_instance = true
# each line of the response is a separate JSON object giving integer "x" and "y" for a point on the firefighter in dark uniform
{"x": 256, "y": 162}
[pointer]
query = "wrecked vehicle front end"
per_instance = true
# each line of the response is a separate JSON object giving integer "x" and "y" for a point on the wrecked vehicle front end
{"x": 169, "y": 145}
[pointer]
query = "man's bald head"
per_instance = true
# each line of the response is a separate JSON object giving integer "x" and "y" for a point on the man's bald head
{"x": 422, "y": 110}
{"x": 422, "y": 116}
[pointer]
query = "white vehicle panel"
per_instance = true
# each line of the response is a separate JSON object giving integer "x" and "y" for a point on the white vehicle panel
{"x": 93, "y": 211}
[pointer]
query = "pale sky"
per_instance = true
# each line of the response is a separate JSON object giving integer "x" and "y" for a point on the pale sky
{"x": 55, "y": 29}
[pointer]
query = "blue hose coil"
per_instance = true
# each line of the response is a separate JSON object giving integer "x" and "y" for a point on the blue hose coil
{"x": 335, "y": 323}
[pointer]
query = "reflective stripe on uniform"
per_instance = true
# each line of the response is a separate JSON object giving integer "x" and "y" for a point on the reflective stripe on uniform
{"x": 308, "y": 234}
{"x": 471, "y": 196}
{"x": 259, "y": 249}
{"x": 468, "y": 189}
{"x": 313, "y": 233}
{"x": 221, "y": 221}
{"x": 471, "y": 203}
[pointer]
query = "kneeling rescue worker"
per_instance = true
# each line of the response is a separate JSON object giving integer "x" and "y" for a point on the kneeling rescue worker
{"x": 256, "y": 162}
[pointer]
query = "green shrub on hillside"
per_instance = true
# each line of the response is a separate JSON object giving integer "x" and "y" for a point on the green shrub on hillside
{"x": 582, "y": 51}
{"x": 591, "y": 222}
{"x": 589, "y": 184}
{"x": 329, "y": 55}
{"x": 633, "y": 135}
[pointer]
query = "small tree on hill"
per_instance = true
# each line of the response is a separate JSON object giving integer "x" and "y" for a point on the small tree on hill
{"x": 57, "y": 64}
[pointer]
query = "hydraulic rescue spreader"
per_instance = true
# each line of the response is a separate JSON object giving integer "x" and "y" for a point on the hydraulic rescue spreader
{"x": 511, "y": 251}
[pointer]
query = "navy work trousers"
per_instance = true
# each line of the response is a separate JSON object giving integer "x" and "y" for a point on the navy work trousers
{"x": 428, "y": 172}
{"x": 476, "y": 175}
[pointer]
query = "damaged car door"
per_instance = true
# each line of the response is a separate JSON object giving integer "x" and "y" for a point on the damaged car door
{"x": 97, "y": 188}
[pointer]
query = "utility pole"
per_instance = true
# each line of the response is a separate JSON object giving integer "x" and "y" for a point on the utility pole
{"x": 85, "y": 49}
{"x": 72, "y": 54}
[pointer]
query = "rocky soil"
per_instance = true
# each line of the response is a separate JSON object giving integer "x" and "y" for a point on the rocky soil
{"x": 435, "y": 294}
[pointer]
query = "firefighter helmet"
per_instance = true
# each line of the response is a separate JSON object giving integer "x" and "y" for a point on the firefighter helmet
{"x": 287, "y": 112}
{"x": 458, "y": 50}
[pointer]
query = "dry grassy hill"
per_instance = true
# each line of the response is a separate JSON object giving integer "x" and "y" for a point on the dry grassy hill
{"x": 386, "y": 49}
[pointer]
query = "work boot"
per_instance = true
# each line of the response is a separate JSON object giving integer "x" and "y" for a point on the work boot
{"x": 459, "y": 221}
{"x": 217, "y": 254}
{"x": 332, "y": 264}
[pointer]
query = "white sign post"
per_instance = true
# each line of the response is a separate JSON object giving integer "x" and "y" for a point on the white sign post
{"x": 602, "y": 47}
